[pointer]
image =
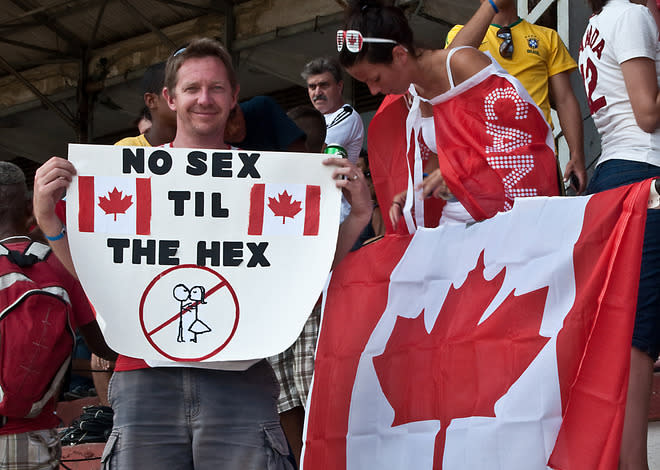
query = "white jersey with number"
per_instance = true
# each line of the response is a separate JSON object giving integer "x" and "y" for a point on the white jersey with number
{"x": 345, "y": 128}
{"x": 620, "y": 32}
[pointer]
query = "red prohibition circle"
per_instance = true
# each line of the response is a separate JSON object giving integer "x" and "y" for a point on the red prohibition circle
{"x": 223, "y": 283}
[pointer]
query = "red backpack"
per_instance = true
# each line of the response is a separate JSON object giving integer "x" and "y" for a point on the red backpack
{"x": 36, "y": 338}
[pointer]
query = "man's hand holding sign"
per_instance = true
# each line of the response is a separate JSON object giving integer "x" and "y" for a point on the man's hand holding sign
{"x": 50, "y": 183}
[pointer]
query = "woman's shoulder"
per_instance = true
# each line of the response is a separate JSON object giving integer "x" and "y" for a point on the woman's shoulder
{"x": 467, "y": 61}
{"x": 623, "y": 12}
{"x": 439, "y": 56}
{"x": 461, "y": 56}
{"x": 616, "y": 21}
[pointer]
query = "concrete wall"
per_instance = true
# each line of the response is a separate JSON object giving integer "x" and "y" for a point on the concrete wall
{"x": 124, "y": 60}
{"x": 258, "y": 17}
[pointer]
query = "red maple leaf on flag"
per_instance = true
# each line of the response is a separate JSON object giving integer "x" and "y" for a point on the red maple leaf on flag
{"x": 115, "y": 203}
{"x": 283, "y": 206}
{"x": 462, "y": 367}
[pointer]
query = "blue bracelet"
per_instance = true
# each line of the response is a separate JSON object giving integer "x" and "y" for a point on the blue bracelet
{"x": 492, "y": 4}
{"x": 59, "y": 236}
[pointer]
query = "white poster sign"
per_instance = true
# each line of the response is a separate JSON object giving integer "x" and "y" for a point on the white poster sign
{"x": 201, "y": 255}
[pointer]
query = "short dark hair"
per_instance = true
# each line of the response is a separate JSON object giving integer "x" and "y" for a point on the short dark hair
{"x": 597, "y": 5}
{"x": 13, "y": 192}
{"x": 153, "y": 79}
{"x": 373, "y": 19}
{"x": 311, "y": 121}
{"x": 321, "y": 65}
{"x": 145, "y": 113}
{"x": 198, "y": 49}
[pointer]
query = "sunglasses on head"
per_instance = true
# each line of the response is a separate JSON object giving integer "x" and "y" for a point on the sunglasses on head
{"x": 353, "y": 40}
{"x": 506, "y": 48}
{"x": 179, "y": 51}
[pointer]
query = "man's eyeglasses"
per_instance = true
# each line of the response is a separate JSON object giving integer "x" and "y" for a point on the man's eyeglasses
{"x": 506, "y": 48}
{"x": 354, "y": 40}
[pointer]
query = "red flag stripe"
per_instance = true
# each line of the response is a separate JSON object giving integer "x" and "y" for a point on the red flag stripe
{"x": 143, "y": 206}
{"x": 607, "y": 260}
{"x": 256, "y": 222}
{"x": 312, "y": 208}
{"x": 330, "y": 418}
{"x": 86, "y": 202}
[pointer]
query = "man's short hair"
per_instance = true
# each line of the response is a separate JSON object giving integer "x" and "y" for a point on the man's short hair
{"x": 312, "y": 123}
{"x": 198, "y": 49}
{"x": 321, "y": 65}
{"x": 13, "y": 192}
{"x": 153, "y": 79}
{"x": 11, "y": 174}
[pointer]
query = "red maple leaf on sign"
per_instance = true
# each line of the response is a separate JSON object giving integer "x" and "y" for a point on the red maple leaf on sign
{"x": 462, "y": 367}
{"x": 283, "y": 206}
{"x": 115, "y": 203}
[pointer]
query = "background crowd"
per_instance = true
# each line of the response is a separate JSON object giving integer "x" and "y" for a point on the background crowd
{"x": 191, "y": 101}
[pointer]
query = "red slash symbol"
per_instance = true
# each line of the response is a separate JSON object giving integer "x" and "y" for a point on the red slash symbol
{"x": 222, "y": 313}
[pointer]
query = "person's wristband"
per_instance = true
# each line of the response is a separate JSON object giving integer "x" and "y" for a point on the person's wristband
{"x": 492, "y": 4}
{"x": 59, "y": 236}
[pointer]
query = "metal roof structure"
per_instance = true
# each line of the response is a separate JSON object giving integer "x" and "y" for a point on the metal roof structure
{"x": 70, "y": 69}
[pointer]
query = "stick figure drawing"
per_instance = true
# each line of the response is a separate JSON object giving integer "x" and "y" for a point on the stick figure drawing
{"x": 189, "y": 300}
{"x": 198, "y": 327}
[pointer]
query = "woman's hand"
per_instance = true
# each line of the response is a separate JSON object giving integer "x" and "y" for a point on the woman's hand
{"x": 576, "y": 167}
{"x": 396, "y": 208}
{"x": 433, "y": 185}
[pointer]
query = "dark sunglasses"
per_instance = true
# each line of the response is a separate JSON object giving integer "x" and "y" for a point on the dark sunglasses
{"x": 506, "y": 48}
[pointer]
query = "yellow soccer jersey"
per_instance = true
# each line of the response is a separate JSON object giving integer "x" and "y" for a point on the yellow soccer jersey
{"x": 538, "y": 54}
{"x": 137, "y": 141}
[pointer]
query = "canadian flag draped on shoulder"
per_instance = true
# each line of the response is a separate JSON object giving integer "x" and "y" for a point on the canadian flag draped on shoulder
{"x": 492, "y": 140}
{"x": 502, "y": 344}
{"x": 201, "y": 255}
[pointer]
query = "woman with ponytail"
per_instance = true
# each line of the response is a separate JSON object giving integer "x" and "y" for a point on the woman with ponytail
{"x": 488, "y": 141}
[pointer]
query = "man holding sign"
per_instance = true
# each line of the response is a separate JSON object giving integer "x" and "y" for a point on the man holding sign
{"x": 194, "y": 414}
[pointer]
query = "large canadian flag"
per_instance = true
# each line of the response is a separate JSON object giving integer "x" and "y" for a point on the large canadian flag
{"x": 114, "y": 204}
{"x": 500, "y": 345}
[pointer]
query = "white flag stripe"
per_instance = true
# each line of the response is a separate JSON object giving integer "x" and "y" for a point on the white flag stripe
{"x": 105, "y": 222}
{"x": 530, "y": 232}
{"x": 279, "y": 225}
